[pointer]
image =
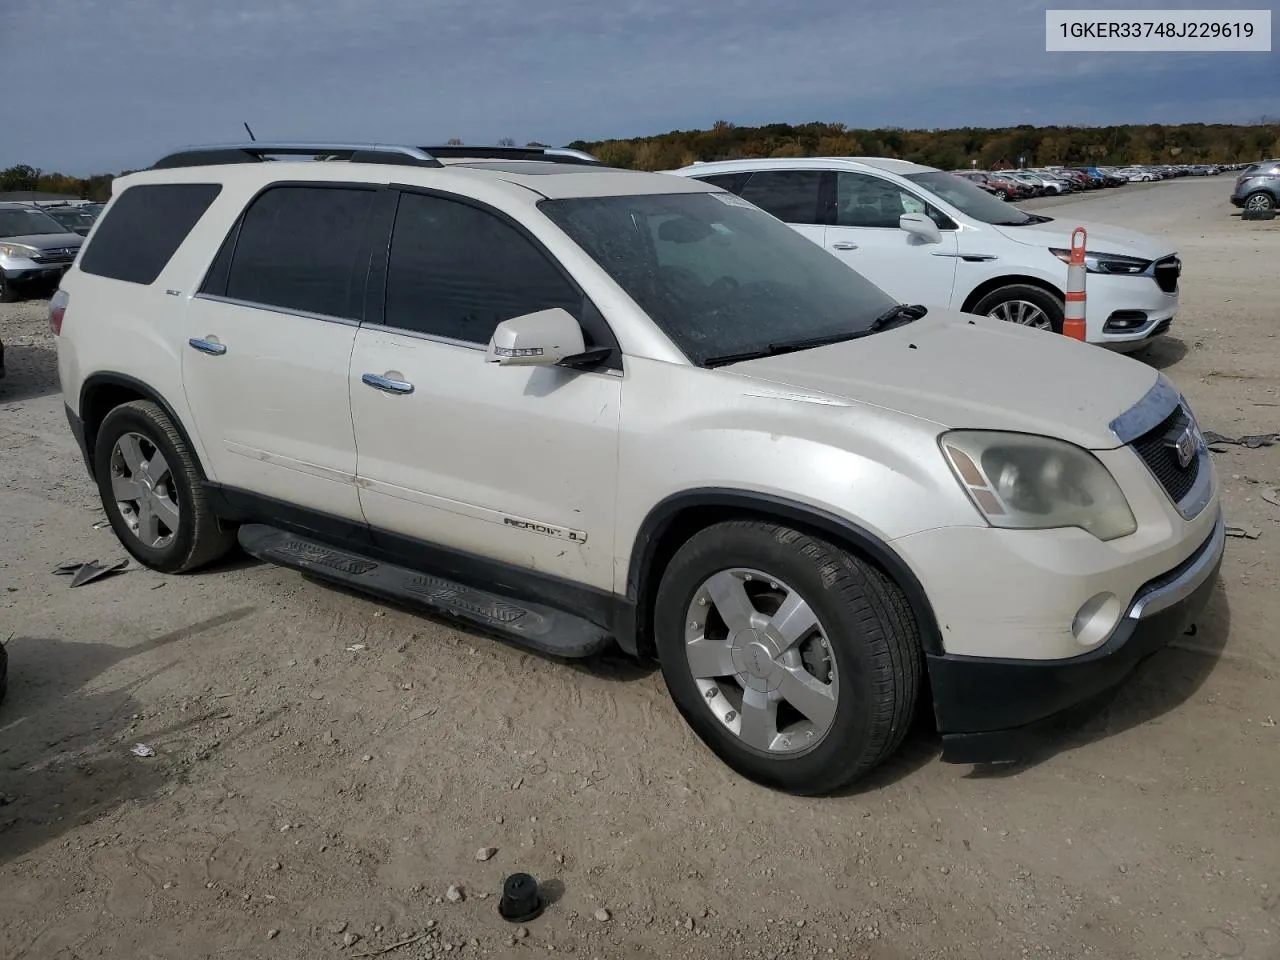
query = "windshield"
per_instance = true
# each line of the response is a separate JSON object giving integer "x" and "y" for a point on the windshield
{"x": 718, "y": 275}
{"x": 969, "y": 198}
{"x": 72, "y": 219}
{"x": 27, "y": 223}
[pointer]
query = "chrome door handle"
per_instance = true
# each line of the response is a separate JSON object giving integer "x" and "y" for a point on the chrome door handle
{"x": 208, "y": 346}
{"x": 383, "y": 383}
{"x": 844, "y": 245}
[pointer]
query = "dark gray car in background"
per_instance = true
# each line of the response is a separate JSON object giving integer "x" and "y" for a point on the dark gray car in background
{"x": 1258, "y": 187}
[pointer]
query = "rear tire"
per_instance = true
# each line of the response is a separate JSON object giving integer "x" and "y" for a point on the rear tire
{"x": 152, "y": 491}
{"x": 1260, "y": 200}
{"x": 1023, "y": 304}
{"x": 854, "y": 662}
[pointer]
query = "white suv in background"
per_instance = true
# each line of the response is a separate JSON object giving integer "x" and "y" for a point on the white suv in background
{"x": 928, "y": 236}
{"x": 581, "y": 407}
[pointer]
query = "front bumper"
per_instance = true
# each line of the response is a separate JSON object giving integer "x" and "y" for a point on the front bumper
{"x": 1138, "y": 303}
{"x": 991, "y": 709}
{"x": 23, "y": 273}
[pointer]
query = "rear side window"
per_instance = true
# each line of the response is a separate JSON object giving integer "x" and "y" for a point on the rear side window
{"x": 143, "y": 229}
{"x": 297, "y": 249}
{"x": 733, "y": 182}
{"x": 790, "y": 195}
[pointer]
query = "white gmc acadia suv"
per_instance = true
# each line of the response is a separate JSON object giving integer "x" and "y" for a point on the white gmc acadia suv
{"x": 583, "y": 406}
{"x": 935, "y": 238}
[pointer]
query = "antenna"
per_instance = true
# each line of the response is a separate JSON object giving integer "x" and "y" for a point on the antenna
{"x": 250, "y": 132}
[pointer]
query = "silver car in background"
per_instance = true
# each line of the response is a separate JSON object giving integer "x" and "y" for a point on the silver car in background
{"x": 35, "y": 251}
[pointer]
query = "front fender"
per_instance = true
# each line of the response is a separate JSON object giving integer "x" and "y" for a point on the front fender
{"x": 642, "y": 569}
{"x": 702, "y": 439}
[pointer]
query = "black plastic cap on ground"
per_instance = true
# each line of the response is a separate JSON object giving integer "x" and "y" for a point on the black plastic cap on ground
{"x": 520, "y": 900}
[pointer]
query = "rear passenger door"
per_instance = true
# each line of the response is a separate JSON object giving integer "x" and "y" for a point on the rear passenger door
{"x": 509, "y": 463}
{"x": 268, "y": 346}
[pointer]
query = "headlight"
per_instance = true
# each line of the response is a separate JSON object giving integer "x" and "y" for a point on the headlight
{"x": 17, "y": 250}
{"x": 1113, "y": 263}
{"x": 1024, "y": 482}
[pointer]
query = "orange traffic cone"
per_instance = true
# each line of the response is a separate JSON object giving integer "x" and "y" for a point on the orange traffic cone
{"x": 1073, "y": 317}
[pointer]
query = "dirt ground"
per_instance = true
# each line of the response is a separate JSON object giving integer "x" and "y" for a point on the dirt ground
{"x": 303, "y": 790}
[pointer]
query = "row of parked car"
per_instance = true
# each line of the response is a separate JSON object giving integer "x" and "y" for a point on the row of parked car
{"x": 1051, "y": 181}
{"x": 1257, "y": 187}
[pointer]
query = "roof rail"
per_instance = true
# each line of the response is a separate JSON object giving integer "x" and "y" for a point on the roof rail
{"x": 258, "y": 151}
{"x": 550, "y": 154}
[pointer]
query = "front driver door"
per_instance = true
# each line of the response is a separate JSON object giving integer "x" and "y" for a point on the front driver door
{"x": 864, "y": 233}
{"x": 514, "y": 464}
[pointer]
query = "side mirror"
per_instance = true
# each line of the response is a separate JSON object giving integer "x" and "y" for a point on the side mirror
{"x": 922, "y": 226}
{"x": 540, "y": 339}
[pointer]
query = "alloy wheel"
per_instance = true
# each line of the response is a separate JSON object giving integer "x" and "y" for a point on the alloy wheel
{"x": 142, "y": 484}
{"x": 761, "y": 661}
{"x": 1023, "y": 313}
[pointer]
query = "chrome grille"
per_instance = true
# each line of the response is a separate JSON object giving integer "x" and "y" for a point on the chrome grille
{"x": 56, "y": 255}
{"x": 1158, "y": 448}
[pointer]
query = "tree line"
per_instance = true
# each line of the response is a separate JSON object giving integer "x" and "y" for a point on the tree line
{"x": 962, "y": 148}
{"x": 26, "y": 178}
{"x": 984, "y": 147}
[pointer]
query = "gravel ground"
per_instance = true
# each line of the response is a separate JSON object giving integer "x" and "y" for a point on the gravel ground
{"x": 308, "y": 798}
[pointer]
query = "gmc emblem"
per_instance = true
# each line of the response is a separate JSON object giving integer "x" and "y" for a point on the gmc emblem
{"x": 1185, "y": 445}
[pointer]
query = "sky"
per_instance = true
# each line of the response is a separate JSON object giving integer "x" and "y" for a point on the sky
{"x": 96, "y": 86}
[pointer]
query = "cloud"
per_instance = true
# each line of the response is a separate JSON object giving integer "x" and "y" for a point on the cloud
{"x": 115, "y": 85}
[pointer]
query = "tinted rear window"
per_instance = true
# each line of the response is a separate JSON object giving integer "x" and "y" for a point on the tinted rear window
{"x": 733, "y": 182}
{"x": 298, "y": 248}
{"x": 144, "y": 228}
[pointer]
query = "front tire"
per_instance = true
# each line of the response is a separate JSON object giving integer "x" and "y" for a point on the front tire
{"x": 796, "y": 662}
{"x": 1024, "y": 305}
{"x": 8, "y": 294}
{"x": 152, "y": 491}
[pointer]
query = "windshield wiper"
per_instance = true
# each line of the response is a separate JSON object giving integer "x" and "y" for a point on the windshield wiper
{"x": 896, "y": 316}
{"x": 1031, "y": 218}
{"x": 782, "y": 346}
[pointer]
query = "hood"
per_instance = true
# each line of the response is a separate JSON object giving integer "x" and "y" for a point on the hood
{"x": 47, "y": 241}
{"x": 962, "y": 371}
{"x": 1102, "y": 238}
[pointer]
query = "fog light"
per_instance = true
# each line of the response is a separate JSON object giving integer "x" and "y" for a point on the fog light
{"x": 1096, "y": 619}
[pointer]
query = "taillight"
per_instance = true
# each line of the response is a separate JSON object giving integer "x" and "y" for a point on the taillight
{"x": 57, "y": 310}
